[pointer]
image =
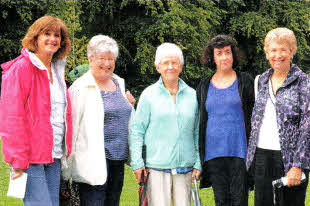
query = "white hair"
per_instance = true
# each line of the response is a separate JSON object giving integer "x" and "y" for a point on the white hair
{"x": 167, "y": 50}
{"x": 102, "y": 44}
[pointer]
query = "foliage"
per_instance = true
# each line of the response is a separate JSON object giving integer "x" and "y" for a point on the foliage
{"x": 69, "y": 12}
{"x": 189, "y": 25}
{"x": 15, "y": 18}
{"x": 250, "y": 29}
{"x": 140, "y": 26}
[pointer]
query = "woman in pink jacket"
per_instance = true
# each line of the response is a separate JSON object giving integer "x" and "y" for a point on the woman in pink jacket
{"x": 35, "y": 111}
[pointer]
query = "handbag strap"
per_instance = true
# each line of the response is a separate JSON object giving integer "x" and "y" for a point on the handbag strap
{"x": 256, "y": 85}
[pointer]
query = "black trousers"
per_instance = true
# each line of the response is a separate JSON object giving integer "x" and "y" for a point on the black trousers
{"x": 108, "y": 194}
{"x": 114, "y": 182}
{"x": 229, "y": 181}
{"x": 269, "y": 167}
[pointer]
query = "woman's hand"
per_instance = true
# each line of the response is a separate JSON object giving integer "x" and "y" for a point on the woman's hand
{"x": 195, "y": 174}
{"x": 130, "y": 98}
{"x": 17, "y": 173}
{"x": 293, "y": 177}
{"x": 138, "y": 174}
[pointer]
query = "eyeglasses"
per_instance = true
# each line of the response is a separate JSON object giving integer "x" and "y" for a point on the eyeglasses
{"x": 99, "y": 59}
{"x": 172, "y": 63}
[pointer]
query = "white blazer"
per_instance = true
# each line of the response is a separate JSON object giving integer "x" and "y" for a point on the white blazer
{"x": 87, "y": 162}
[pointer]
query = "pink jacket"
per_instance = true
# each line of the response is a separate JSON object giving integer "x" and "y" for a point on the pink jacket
{"x": 25, "y": 127}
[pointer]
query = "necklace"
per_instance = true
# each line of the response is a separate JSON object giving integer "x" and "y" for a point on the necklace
{"x": 108, "y": 87}
{"x": 107, "y": 90}
{"x": 173, "y": 92}
{"x": 276, "y": 83}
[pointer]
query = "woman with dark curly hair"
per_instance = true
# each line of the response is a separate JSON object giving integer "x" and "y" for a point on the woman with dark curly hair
{"x": 225, "y": 102}
{"x": 35, "y": 114}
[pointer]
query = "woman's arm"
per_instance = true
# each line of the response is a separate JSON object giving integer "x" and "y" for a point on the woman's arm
{"x": 130, "y": 98}
{"x": 302, "y": 157}
{"x": 197, "y": 167}
{"x": 196, "y": 139}
{"x": 137, "y": 131}
{"x": 14, "y": 131}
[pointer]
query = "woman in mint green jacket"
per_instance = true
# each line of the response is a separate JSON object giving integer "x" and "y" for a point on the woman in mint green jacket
{"x": 167, "y": 122}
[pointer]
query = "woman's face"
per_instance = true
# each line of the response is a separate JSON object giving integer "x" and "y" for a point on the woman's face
{"x": 223, "y": 58}
{"x": 279, "y": 55}
{"x": 48, "y": 42}
{"x": 102, "y": 65}
{"x": 169, "y": 68}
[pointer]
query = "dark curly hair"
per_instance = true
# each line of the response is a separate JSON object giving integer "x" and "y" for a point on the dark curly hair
{"x": 219, "y": 42}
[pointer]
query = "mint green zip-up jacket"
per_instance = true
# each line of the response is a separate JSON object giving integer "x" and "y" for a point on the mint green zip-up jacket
{"x": 169, "y": 131}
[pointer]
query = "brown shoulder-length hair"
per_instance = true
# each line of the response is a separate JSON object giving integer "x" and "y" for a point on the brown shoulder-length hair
{"x": 219, "y": 42}
{"x": 43, "y": 25}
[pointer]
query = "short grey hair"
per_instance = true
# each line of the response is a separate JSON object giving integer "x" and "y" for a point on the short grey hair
{"x": 102, "y": 44}
{"x": 166, "y": 50}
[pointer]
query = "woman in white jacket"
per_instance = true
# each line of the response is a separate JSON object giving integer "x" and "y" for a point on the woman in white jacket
{"x": 100, "y": 113}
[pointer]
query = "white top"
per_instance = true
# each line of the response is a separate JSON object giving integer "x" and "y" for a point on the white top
{"x": 269, "y": 134}
{"x": 58, "y": 99}
{"x": 58, "y": 104}
{"x": 58, "y": 107}
{"x": 87, "y": 164}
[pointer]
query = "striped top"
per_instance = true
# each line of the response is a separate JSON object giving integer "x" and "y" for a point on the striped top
{"x": 116, "y": 117}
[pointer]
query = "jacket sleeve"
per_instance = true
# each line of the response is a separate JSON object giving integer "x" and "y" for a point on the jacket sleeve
{"x": 138, "y": 127}
{"x": 76, "y": 98}
{"x": 251, "y": 92}
{"x": 198, "y": 93}
{"x": 196, "y": 135}
{"x": 14, "y": 128}
{"x": 249, "y": 102}
{"x": 302, "y": 155}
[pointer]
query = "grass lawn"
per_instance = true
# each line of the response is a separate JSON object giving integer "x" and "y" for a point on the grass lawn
{"x": 129, "y": 195}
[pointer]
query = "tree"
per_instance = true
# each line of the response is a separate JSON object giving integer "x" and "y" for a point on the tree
{"x": 16, "y": 17}
{"x": 140, "y": 26}
{"x": 69, "y": 12}
{"x": 189, "y": 24}
{"x": 251, "y": 27}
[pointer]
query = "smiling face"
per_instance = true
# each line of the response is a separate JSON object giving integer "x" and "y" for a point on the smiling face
{"x": 279, "y": 56}
{"x": 102, "y": 65}
{"x": 48, "y": 42}
{"x": 223, "y": 58}
{"x": 169, "y": 68}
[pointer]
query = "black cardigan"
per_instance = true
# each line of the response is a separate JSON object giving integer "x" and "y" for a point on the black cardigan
{"x": 246, "y": 92}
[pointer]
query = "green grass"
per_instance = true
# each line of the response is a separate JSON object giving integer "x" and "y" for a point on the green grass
{"x": 4, "y": 181}
{"x": 129, "y": 195}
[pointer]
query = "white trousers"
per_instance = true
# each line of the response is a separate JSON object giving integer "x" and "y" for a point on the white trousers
{"x": 162, "y": 187}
